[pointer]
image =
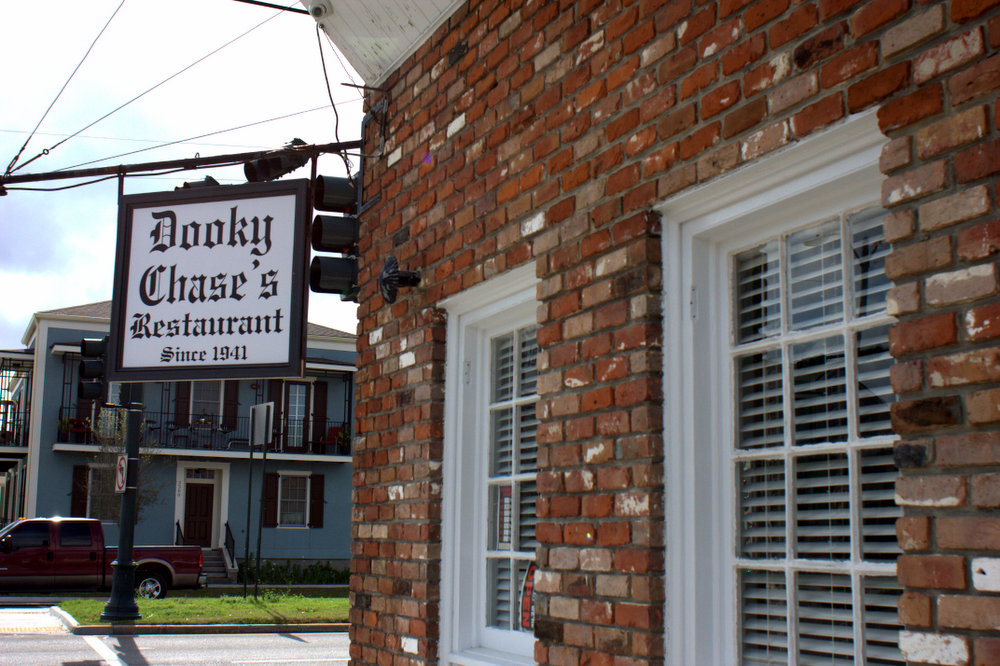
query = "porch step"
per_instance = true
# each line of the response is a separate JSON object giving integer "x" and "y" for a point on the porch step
{"x": 214, "y": 566}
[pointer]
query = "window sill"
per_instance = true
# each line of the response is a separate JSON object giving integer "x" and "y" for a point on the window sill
{"x": 487, "y": 657}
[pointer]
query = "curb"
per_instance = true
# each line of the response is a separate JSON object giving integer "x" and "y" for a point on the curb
{"x": 77, "y": 629}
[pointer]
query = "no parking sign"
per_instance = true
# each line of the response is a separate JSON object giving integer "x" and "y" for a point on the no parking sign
{"x": 121, "y": 471}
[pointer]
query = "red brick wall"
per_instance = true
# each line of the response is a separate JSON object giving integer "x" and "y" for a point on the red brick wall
{"x": 546, "y": 132}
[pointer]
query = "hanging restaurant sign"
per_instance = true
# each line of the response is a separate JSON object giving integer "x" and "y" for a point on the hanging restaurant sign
{"x": 209, "y": 283}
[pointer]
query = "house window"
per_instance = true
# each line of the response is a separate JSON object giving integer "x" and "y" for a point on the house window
{"x": 490, "y": 473}
{"x": 293, "y": 500}
{"x": 813, "y": 468}
{"x": 206, "y": 401}
{"x": 783, "y": 548}
{"x": 296, "y": 410}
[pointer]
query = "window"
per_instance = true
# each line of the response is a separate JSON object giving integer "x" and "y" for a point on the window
{"x": 72, "y": 533}
{"x": 30, "y": 535}
{"x": 206, "y": 398}
{"x": 296, "y": 413}
{"x": 294, "y": 499}
{"x": 777, "y": 412}
{"x": 293, "y": 505}
{"x": 490, "y": 473}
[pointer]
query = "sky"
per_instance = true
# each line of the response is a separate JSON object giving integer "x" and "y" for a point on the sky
{"x": 57, "y": 249}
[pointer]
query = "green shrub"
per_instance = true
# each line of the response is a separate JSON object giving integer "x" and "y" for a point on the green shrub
{"x": 292, "y": 573}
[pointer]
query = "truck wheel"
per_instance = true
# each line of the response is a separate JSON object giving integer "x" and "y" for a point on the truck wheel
{"x": 151, "y": 585}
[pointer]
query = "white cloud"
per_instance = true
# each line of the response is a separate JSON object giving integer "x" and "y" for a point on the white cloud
{"x": 57, "y": 249}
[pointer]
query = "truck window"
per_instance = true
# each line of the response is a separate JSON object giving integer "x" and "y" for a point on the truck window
{"x": 30, "y": 535}
{"x": 74, "y": 534}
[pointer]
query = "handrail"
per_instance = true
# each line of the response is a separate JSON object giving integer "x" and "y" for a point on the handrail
{"x": 179, "y": 535}
{"x": 230, "y": 544}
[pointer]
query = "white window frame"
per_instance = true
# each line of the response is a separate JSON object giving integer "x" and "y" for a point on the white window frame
{"x": 474, "y": 317}
{"x": 818, "y": 178}
{"x": 281, "y": 478}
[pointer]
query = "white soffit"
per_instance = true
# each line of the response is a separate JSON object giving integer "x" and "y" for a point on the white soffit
{"x": 377, "y": 35}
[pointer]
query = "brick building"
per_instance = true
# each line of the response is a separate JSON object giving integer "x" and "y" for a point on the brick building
{"x": 705, "y": 346}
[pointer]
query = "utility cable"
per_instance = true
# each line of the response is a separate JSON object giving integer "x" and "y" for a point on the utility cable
{"x": 172, "y": 76}
{"x": 336, "y": 116}
{"x": 194, "y": 138}
{"x": 91, "y": 48}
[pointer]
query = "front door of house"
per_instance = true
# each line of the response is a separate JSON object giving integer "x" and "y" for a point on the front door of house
{"x": 198, "y": 510}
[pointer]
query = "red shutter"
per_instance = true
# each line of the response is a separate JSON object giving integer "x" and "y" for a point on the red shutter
{"x": 230, "y": 404}
{"x": 271, "y": 500}
{"x": 274, "y": 394}
{"x": 78, "y": 495}
{"x": 319, "y": 415}
{"x": 316, "y": 500}
{"x": 182, "y": 404}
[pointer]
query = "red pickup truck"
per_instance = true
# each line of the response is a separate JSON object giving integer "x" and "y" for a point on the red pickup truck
{"x": 69, "y": 553}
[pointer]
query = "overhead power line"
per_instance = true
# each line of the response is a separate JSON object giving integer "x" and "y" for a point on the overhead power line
{"x": 289, "y": 8}
{"x": 185, "y": 164}
{"x": 142, "y": 94}
{"x": 72, "y": 74}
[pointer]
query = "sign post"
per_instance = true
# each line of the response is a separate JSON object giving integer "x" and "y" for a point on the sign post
{"x": 261, "y": 432}
{"x": 121, "y": 605}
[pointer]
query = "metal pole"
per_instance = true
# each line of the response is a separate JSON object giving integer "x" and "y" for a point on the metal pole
{"x": 260, "y": 518}
{"x": 246, "y": 548}
{"x": 121, "y": 605}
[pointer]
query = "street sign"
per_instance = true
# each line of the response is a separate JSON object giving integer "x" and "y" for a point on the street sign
{"x": 121, "y": 473}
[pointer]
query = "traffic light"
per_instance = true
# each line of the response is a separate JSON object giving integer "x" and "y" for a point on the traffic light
{"x": 93, "y": 383}
{"x": 335, "y": 233}
{"x": 275, "y": 166}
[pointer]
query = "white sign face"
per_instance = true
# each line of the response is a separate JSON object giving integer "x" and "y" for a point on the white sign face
{"x": 210, "y": 286}
{"x": 121, "y": 473}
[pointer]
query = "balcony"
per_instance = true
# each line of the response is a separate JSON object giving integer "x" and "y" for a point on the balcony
{"x": 327, "y": 437}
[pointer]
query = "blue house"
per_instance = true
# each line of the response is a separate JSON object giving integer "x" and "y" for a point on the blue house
{"x": 195, "y": 477}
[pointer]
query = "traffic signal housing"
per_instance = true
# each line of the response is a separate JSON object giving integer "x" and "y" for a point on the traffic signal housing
{"x": 337, "y": 234}
{"x": 93, "y": 384}
{"x": 276, "y": 165}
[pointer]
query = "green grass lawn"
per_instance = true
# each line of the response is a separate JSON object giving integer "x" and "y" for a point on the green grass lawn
{"x": 268, "y": 608}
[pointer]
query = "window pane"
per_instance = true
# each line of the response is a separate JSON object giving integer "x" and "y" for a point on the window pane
{"x": 881, "y": 620}
{"x": 762, "y": 508}
{"x": 869, "y": 250}
{"x": 526, "y": 516}
{"x": 815, "y": 276}
{"x": 296, "y": 413}
{"x": 763, "y": 618}
{"x": 874, "y": 388}
{"x": 503, "y": 368}
{"x": 822, "y": 507}
{"x": 293, "y": 500}
{"x": 205, "y": 400}
{"x": 758, "y": 300}
{"x": 501, "y": 442}
{"x": 30, "y": 535}
{"x": 527, "y": 362}
{"x": 498, "y": 594}
{"x": 528, "y": 447}
{"x": 878, "y": 505}
{"x": 501, "y": 517}
{"x": 826, "y": 622}
{"x": 74, "y": 534}
{"x": 819, "y": 392}
{"x": 761, "y": 404}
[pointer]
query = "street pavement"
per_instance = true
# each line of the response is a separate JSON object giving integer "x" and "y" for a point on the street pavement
{"x": 39, "y": 637}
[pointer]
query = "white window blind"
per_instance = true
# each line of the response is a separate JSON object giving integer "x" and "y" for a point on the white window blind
{"x": 513, "y": 466}
{"x": 812, "y": 446}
